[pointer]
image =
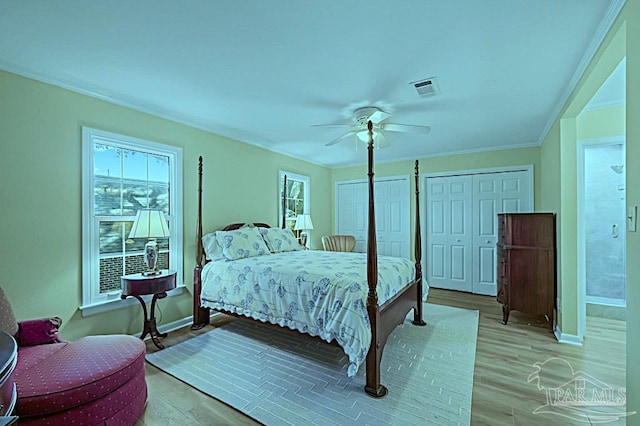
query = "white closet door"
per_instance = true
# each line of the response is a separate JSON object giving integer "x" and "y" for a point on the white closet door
{"x": 494, "y": 193}
{"x": 351, "y": 216}
{"x": 462, "y": 226}
{"x": 486, "y": 202}
{"x": 392, "y": 217}
{"x": 392, "y": 204}
{"x": 449, "y": 233}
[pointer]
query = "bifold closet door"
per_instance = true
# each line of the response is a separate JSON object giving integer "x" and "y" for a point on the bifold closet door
{"x": 392, "y": 218}
{"x": 449, "y": 234}
{"x": 461, "y": 218}
{"x": 392, "y": 204}
{"x": 351, "y": 212}
{"x": 494, "y": 193}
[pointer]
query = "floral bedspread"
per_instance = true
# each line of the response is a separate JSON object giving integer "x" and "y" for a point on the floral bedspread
{"x": 320, "y": 293}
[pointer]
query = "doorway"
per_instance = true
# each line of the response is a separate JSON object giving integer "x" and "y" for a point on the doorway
{"x": 604, "y": 227}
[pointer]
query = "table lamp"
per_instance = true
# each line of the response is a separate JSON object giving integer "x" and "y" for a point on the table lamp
{"x": 303, "y": 224}
{"x": 150, "y": 224}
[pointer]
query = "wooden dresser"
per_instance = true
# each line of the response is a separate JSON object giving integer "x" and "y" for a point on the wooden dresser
{"x": 527, "y": 264}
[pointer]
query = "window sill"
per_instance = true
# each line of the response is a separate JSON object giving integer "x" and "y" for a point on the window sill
{"x": 118, "y": 303}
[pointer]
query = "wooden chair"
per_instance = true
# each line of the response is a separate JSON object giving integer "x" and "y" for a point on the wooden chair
{"x": 338, "y": 242}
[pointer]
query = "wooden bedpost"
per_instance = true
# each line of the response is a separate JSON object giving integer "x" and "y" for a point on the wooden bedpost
{"x": 200, "y": 315}
{"x": 199, "y": 248}
{"x": 284, "y": 203}
{"x": 373, "y": 387}
{"x": 417, "y": 313}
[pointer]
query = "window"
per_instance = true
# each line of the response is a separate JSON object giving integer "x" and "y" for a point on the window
{"x": 296, "y": 199}
{"x": 120, "y": 176}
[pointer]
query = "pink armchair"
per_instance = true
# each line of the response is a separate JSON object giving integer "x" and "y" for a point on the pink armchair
{"x": 94, "y": 380}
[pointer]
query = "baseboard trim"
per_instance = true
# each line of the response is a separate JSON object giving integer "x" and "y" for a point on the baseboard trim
{"x": 184, "y": 322}
{"x": 570, "y": 339}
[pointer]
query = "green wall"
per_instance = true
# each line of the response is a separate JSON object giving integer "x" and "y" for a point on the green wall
{"x": 601, "y": 122}
{"x": 480, "y": 160}
{"x": 631, "y": 17}
{"x": 559, "y": 180}
{"x": 41, "y": 207}
{"x": 473, "y": 161}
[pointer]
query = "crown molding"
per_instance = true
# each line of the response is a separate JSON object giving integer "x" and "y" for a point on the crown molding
{"x": 605, "y": 25}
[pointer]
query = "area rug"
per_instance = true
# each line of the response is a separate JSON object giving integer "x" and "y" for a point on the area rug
{"x": 279, "y": 378}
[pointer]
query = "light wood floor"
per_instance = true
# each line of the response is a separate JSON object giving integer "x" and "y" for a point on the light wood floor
{"x": 505, "y": 356}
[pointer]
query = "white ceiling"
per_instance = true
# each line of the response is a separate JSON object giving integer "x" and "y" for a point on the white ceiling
{"x": 263, "y": 71}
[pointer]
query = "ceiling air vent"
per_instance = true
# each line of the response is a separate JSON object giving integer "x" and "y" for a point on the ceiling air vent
{"x": 426, "y": 88}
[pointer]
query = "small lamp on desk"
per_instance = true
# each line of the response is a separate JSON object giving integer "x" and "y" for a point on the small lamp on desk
{"x": 303, "y": 224}
{"x": 150, "y": 224}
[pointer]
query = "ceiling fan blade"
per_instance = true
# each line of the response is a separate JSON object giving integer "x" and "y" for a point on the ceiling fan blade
{"x": 378, "y": 116}
{"x": 339, "y": 138}
{"x": 332, "y": 125}
{"x": 407, "y": 128}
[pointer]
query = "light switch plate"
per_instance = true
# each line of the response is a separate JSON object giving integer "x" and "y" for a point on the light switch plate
{"x": 632, "y": 216}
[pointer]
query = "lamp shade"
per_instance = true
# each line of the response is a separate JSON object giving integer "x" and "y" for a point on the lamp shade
{"x": 149, "y": 224}
{"x": 303, "y": 223}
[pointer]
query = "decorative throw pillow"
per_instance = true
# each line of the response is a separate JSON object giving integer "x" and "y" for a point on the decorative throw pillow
{"x": 241, "y": 243}
{"x": 38, "y": 331}
{"x": 212, "y": 249}
{"x": 279, "y": 240}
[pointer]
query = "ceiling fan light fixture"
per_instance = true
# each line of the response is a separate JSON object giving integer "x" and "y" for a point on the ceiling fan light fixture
{"x": 376, "y": 117}
{"x": 363, "y": 135}
{"x": 379, "y": 141}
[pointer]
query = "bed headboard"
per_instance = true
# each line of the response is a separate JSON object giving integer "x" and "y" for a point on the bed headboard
{"x": 234, "y": 226}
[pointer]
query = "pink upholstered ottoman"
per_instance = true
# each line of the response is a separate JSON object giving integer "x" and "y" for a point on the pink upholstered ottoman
{"x": 94, "y": 380}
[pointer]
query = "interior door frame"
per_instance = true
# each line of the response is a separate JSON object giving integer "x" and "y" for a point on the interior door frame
{"x": 528, "y": 168}
{"x": 582, "y": 249}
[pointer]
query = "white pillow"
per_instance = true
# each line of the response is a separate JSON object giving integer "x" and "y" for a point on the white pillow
{"x": 241, "y": 243}
{"x": 279, "y": 240}
{"x": 212, "y": 249}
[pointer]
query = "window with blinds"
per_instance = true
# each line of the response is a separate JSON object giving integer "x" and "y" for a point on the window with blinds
{"x": 123, "y": 175}
{"x": 296, "y": 197}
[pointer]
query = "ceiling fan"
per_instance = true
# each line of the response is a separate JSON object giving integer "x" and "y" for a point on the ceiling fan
{"x": 361, "y": 118}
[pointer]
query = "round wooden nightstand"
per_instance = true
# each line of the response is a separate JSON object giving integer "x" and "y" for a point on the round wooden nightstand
{"x": 8, "y": 359}
{"x": 137, "y": 285}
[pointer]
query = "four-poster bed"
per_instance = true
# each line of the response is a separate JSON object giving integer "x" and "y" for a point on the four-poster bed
{"x": 314, "y": 303}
